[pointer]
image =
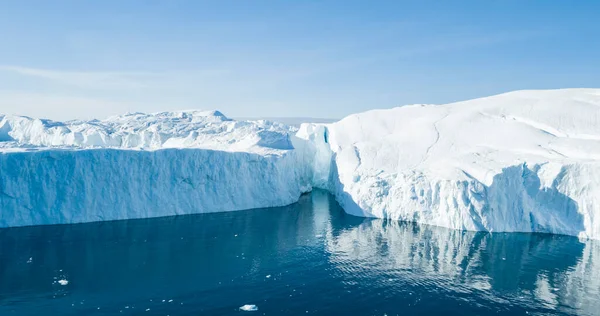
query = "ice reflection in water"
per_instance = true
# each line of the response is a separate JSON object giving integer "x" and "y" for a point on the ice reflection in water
{"x": 528, "y": 271}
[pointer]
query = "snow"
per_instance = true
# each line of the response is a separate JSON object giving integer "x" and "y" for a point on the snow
{"x": 185, "y": 129}
{"x": 522, "y": 161}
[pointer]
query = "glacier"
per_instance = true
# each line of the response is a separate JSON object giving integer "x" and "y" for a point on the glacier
{"x": 524, "y": 161}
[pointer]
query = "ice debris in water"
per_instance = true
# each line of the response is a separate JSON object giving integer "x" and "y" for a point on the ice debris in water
{"x": 249, "y": 308}
{"x": 30, "y": 260}
{"x": 63, "y": 282}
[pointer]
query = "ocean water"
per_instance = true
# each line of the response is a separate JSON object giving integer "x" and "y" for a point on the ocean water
{"x": 309, "y": 258}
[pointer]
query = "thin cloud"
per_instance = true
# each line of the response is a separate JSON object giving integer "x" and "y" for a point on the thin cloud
{"x": 59, "y": 107}
{"x": 88, "y": 80}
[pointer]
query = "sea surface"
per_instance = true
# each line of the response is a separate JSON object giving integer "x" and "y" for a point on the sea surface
{"x": 309, "y": 258}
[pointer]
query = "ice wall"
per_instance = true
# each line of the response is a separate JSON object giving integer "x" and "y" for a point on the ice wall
{"x": 65, "y": 186}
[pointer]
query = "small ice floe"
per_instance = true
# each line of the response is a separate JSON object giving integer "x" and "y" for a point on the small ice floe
{"x": 249, "y": 308}
{"x": 268, "y": 276}
{"x": 318, "y": 236}
{"x": 30, "y": 260}
{"x": 63, "y": 282}
{"x": 170, "y": 301}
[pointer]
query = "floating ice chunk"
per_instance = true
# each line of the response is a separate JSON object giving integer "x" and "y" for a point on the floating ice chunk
{"x": 63, "y": 282}
{"x": 268, "y": 276}
{"x": 30, "y": 260}
{"x": 249, "y": 308}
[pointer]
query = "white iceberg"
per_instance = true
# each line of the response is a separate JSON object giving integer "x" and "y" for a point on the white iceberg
{"x": 140, "y": 165}
{"x": 522, "y": 161}
{"x": 525, "y": 161}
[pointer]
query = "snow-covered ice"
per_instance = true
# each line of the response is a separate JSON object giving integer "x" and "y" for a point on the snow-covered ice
{"x": 520, "y": 161}
{"x": 63, "y": 282}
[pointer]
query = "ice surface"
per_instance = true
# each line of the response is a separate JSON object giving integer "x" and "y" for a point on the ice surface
{"x": 185, "y": 129}
{"x": 63, "y": 282}
{"x": 521, "y": 161}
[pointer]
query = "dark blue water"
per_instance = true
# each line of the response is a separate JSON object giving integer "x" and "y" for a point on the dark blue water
{"x": 307, "y": 258}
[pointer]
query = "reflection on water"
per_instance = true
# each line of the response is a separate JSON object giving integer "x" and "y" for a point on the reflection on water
{"x": 309, "y": 257}
{"x": 559, "y": 273}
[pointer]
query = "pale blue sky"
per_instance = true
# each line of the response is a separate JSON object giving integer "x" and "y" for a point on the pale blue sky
{"x": 65, "y": 59}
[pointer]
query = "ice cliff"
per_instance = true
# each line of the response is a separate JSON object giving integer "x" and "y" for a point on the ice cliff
{"x": 520, "y": 161}
{"x": 525, "y": 161}
{"x": 141, "y": 165}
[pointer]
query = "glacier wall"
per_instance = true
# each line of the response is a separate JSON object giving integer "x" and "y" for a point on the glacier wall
{"x": 66, "y": 186}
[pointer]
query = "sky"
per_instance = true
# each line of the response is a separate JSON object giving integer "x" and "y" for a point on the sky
{"x": 249, "y": 58}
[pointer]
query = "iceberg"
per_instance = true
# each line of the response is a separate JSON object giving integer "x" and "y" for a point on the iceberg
{"x": 524, "y": 161}
{"x": 143, "y": 165}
